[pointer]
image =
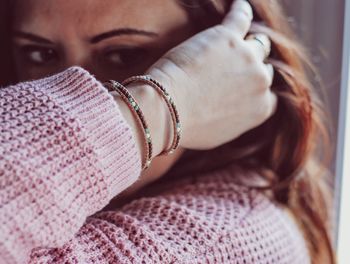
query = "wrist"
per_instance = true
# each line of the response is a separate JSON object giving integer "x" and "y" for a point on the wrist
{"x": 156, "y": 115}
{"x": 177, "y": 93}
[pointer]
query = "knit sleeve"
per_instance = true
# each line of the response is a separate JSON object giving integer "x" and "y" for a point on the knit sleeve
{"x": 65, "y": 151}
{"x": 204, "y": 219}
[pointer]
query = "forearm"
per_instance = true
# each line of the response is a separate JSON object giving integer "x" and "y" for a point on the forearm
{"x": 66, "y": 151}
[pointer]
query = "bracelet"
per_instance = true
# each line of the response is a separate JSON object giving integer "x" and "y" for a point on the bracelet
{"x": 134, "y": 106}
{"x": 170, "y": 103}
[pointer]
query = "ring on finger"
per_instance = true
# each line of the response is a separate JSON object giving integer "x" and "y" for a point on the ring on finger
{"x": 260, "y": 40}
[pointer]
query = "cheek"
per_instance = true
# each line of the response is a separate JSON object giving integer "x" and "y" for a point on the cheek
{"x": 25, "y": 72}
{"x": 22, "y": 73}
{"x": 105, "y": 72}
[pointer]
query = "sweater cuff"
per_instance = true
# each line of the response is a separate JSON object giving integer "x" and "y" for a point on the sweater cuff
{"x": 107, "y": 131}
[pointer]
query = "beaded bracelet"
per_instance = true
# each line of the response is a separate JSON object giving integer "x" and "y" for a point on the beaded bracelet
{"x": 170, "y": 103}
{"x": 134, "y": 106}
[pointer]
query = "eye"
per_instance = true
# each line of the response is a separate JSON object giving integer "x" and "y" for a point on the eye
{"x": 124, "y": 57}
{"x": 38, "y": 55}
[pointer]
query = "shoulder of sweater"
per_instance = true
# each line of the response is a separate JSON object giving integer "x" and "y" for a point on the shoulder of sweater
{"x": 232, "y": 178}
{"x": 207, "y": 218}
{"x": 209, "y": 191}
{"x": 211, "y": 216}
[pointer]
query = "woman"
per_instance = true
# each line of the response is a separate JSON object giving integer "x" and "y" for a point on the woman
{"x": 209, "y": 216}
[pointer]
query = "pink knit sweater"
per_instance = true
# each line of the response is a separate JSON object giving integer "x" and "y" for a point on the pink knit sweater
{"x": 66, "y": 151}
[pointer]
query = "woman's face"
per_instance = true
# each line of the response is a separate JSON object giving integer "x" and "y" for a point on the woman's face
{"x": 111, "y": 39}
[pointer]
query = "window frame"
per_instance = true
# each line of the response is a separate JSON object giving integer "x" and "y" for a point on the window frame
{"x": 343, "y": 151}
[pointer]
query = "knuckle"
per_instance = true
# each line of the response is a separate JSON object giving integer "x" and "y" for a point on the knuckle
{"x": 262, "y": 79}
{"x": 233, "y": 40}
{"x": 248, "y": 56}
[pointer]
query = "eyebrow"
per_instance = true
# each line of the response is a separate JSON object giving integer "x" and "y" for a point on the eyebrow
{"x": 32, "y": 37}
{"x": 93, "y": 40}
{"x": 122, "y": 31}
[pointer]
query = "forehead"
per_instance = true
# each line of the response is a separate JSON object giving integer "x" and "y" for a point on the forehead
{"x": 92, "y": 16}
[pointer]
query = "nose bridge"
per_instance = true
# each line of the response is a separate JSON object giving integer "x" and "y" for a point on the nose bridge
{"x": 76, "y": 52}
{"x": 76, "y": 55}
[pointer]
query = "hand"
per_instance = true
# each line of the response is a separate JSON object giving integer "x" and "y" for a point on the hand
{"x": 219, "y": 81}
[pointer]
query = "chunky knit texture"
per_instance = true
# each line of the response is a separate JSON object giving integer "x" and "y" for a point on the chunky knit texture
{"x": 66, "y": 151}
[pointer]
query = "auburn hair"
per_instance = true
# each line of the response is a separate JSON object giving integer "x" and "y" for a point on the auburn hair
{"x": 292, "y": 150}
{"x": 286, "y": 150}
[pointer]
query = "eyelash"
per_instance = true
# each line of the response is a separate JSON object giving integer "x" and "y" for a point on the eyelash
{"x": 29, "y": 51}
{"x": 127, "y": 56}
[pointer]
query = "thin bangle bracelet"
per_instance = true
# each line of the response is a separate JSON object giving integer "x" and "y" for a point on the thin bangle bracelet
{"x": 170, "y": 103}
{"x": 134, "y": 106}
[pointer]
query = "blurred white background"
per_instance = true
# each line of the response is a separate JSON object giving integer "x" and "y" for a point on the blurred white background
{"x": 324, "y": 26}
{"x": 320, "y": 24}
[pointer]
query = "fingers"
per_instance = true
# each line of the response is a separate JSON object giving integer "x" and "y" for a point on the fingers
{"x": 273, "y": 103}
{"x": 270, "y": 73}
{"x": 260, "y": 44}
{"x": 272, "y": 97}
{"x": 239, "y": 18}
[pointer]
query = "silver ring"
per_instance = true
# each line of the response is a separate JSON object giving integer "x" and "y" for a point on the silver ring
{"x": 266, "y": 49}
{"x": 260, "y": 41}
